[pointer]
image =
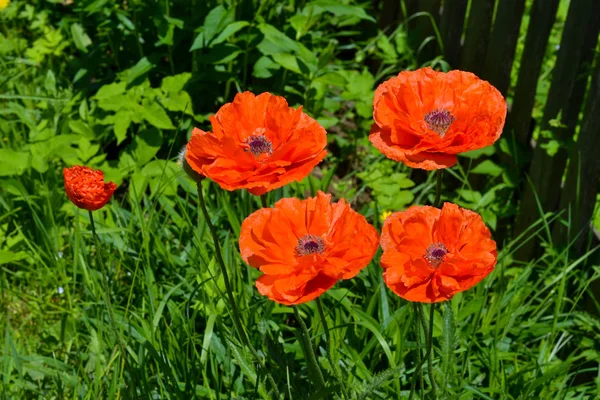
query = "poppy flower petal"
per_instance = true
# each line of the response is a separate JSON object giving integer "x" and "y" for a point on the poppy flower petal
{"x": 424, "y": 118}
{"x": 429, "y": 254}
{"x": 257, "y": 143}
{"x": 303, "y": 247}
{"x": 86, "y": 188}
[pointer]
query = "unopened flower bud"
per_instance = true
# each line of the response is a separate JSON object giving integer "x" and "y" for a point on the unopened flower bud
{"x": 186, "y": 167}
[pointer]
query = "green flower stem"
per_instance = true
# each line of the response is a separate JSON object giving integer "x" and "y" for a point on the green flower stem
{"x": 328, "y": 347}
{"x": 263, "y": 201}
{"x": 438, "y": 187}
{"x": 420, "y": 361}
{"x": 234, "y": 309}
{"x": 309, "y": 351}
{"x": 105, "y": 288}
{"x": 428, "y": 329}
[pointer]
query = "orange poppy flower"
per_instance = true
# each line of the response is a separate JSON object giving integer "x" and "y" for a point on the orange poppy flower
{"x": 429, "y": 254}
{"x": 86, "y": 189}
{"x": 258, "y": 143}
{"x": 303, "y": 247}
{"x": 424, "y": 118}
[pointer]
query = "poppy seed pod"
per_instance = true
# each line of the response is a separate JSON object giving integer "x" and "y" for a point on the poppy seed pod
{"x": 185, "y": 166}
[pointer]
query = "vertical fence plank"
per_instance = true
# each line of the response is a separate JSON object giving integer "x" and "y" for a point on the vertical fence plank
{"x": 546, "y": 171}
{"x": 503, "y": 43}
{"x": 583, "y": 176}
{"x": 543, "y": 14}
{"x": 590, "y": 40}
{"x": 453, "y": 19}
{"x": 390, "y": 15}
{"x": 422, "y": 29}
{"x": 477, "y": 36}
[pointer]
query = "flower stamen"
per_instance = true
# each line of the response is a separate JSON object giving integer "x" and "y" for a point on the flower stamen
{"x": 439, "y": 121}
{"x": 435, "y": 254}
{"x": 310, "y": 244}
{"x": 258, "y": 144}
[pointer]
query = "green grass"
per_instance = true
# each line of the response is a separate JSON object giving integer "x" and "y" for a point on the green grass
{"x": 519, "y": 334}
{"x": 144, "y": 314}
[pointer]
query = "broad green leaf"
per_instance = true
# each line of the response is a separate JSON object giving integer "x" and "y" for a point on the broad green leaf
{"x": 229, "y": 31}
{"x": 487, "y": 167}
{"x": 301, "y": 24}
{"x": 80, "y": 38}
{"x": 265, "y": 67}
{"x": 142, "y": 67}
{"x": 14, "y": 162}
{"x": 199, "y": 42}
{"x": 216, "y": 21}
{"x": 124, "y": 19}
{"x": 469, "y": 195}
{"x": 221, "y": 54}
{"x": 485, "y": 151}
{"x": 110, "y": 90}
{"x": 287, "y": 61}
{"x": 180, "y": 102}
{"x": 50, "y": 82}
{"x": 7, "y": 257}
{"x": 80, "y": 74}
{"x": 122, "y": 122}
{"x": 276, "y": 42}
{"x": 87, "y": 150}
{"x": 174, "y": 21}
{"x": 155, "y": 115}
{"x": 82, "y": 128}
{"x": 340, "y": 10}
{"x": 146, "y": 145}
{"x": 389, "y": 52}
{"x": 175, "y": 83}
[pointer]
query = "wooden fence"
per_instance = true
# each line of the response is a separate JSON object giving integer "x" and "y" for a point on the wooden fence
{"x": 481, "y": 36}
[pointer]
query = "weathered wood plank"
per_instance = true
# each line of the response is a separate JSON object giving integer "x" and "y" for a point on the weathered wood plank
{"x": 452, "y": 22}
{"x": 583, "y": 177}
{"x": 503, "y": 43}
{"x": 477, "y": 36}
{"x": 390, "y": 15}
{"x": 585, "y": 70}
{"x": 543, "y": 15}
{"x": 546, "y": 171}
{"x": 422, "y": 28}
{"x": 578, "y": 198}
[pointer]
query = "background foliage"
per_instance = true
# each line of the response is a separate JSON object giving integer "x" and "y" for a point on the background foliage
{"x": 118, "y": 85}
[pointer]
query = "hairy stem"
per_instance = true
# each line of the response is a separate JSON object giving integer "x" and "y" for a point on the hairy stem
{"x": 105, "y": 288}
{"x": 309, "y": 352}
{"x": 328, "y": 347}
{"x": 234, "y": 309}
{"x": 429, "y": 332}
{"x": 420, "y": 361}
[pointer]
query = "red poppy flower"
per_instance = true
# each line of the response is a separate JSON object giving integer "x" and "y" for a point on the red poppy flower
{"x": 424, "y": 118}
{"x": 85, "y": 187}
{"x": 429, "y": 254}
{"x": 258, "y": 143}
{"x": 304, "y": 247}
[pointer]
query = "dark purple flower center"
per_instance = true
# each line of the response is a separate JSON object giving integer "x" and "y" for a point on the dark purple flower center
{"x": 439, "y": 121}
{"x": 310, "y": 244}
{"x": 258, "y": 145}
{"x": 435, "y": 254}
